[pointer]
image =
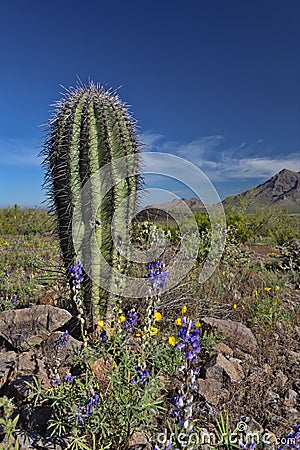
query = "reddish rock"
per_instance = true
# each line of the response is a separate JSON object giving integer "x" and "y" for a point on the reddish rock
{"x": 224, "y": 349}
{"x": 225, "y": 367}
{"x": 237, "y": 333}
{"x": 213, "y": 391}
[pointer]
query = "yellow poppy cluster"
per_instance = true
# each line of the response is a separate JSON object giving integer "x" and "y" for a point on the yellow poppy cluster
{"x": 157, "y": 316}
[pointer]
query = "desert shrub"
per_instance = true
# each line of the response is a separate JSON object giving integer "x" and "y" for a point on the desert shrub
{"x": 15, "y": 220}
{"x": 202, "y": 220}
{"x": 274, "y": 225}
{"x": 290, "y": 256}
{"x": 270, "y": 225}
{"x": 239, "y": 224}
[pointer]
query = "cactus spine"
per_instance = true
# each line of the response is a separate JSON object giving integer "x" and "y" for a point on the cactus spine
{"x": 91, "y": 127}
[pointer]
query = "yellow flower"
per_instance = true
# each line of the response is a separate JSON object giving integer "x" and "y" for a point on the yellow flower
{"x": 100, "y": 323}
{"x": 153, "y": 331}
{"x": 138, "y": 335}
{"x": 235, "y": 306}
{"x": 32, "y": 275}
{"x": 172, "y": 340}
{"x": 255, "y": 292}
{"x": 243, "y": 307}
{"x": 122, "y": 319}
{"x": 278, "y": 288}
{"x": 223, "y": 273}
{"x": 267, "y": 289}
{"x": 197, "y": 324}
{"x": 178, "y": 321}
{"x": 157, "y": 316}
{"x": 183, "y": 310}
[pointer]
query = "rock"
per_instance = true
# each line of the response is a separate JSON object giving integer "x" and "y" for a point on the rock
{"x": 58, "y": 354}
{"x": 19, "y": 388}
{"x": 139, "y": 441}
{"x": 269, "y": 438}
{"x": 251, "y": 425}
{"x": 101, "y": 369}
{"x": 296, "y": 385}
{"x": 35, "y": 418}
{"x": 294, "y": 356}
{"x": 223, "y": 366}
{"x": 281, "y": 379}
{"x": 24, "y": 328}
{"x": 26, "y": 367}
{"x": 267, "y": 369}
{"x": 212, "y": 391}
{"x": 278, "y": 421}
{"x": 206, "y": 438}
{"x": 7, "y": 362}
{"x": 293, "y": 415}
{"x": 236, "y": 332}
{"x": 28, "y": 440}
{"x": 48, "y": 298}
{"x": 290, "y": 399}
{"x": 224, "y": 349}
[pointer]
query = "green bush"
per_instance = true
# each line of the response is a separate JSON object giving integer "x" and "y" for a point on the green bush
{"x": 26, "y": 221}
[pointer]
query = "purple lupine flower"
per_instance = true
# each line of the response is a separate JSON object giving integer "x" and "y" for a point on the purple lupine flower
{"x": 143, "y": 375}
{"x": 88, "y": 408}
{"x": 69, "y": 378}
{"x": 178, "y": 410}
{"x": 76, "y": 274}
{"x": 63, "y": 338}
{"x": 7, "y": 272}
{"x": 131, "y": 320}
{"x": 55, "y": 381}
{"x": 248, "y": 446}
{"x": 292, "y": 440}
{"x": 189, "y": 346}
{"x": 14, "y": 299}
{"x": 189, "y": 340}
{"x": 103, "y": 336}
{"x": 157, "y": 275}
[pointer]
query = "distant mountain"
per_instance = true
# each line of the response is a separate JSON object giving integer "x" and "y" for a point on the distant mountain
{"x": 163, "y": 212}
{"x": 283, "y": 190}
{"x": 193, "y": 203}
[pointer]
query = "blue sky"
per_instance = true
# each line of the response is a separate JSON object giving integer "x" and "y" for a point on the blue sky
{"x": 215, "y": 82}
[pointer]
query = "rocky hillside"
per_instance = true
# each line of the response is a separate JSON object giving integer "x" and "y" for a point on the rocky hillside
{"x": 193, "y": 203}
{"x": 283, "y": 189}
{"x": 163, "y": 212}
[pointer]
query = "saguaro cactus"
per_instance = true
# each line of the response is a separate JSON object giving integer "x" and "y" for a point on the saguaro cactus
{"x": 91, "y": 128}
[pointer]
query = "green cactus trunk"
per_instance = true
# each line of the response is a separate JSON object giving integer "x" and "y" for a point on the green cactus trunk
{"x": 91, "y": 128}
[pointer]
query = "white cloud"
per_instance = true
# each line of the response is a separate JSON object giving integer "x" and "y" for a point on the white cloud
{"x": 221, "y": 162}
{"x": 201, "y": 148}
{"x": 263, "y": 167}
{"x": 149, "y": 139}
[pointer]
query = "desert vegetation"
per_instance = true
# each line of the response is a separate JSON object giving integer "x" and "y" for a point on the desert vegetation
{"x": 185, "y": 365}
{"x": 157, "y": 368}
